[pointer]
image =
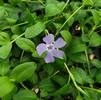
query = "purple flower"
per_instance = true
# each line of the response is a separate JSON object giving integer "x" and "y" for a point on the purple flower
{"x": 51, "y": 48}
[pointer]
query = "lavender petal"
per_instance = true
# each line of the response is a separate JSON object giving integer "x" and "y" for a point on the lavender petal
{"x": 59, "y": 43}
{"x": 58, "y": 53}
{"x": 49, "y": 39}
{"x": 41, "y": 48}
{"x": 49, "y": 58}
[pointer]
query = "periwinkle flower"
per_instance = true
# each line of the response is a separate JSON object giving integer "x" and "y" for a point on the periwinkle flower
{"x": 51, "y": 47}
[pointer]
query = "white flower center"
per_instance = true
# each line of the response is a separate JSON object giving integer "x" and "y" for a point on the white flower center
{"x": 50, "y": 47}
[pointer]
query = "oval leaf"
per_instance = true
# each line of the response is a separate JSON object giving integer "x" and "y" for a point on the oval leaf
{"x": 96, "y": 63}
{"x": 95, "y": 40}
{"x": 66, "y": 35}
{"x": 25, "y": 95}
{"x": 23, "y": 71}
{"x": 77, "y": 46}
{"x": 34, "y": 30}
{"x": 81, "y": 76}
{"x": 25, "y": 44}
{"x": 5, "y": 50}
{"x": 6, "y": 86}
{"x": 54, "y": 10}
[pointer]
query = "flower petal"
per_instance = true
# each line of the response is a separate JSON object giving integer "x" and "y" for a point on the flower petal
{"x": 49, "y": 58}
{"x": 58, "y": 53}
{"x": 59, "y": 43}
{"x": 49, "y": 39}
{"x": 41, "y": 48}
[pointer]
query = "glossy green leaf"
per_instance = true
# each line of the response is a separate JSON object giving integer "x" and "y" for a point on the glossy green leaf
{"x": 95, "y": 40}
{"x": 66, "y": 35}
{"x": 77, "y": 46}
{"x": 23, "y": 71}
{"x": 96, "y": 63}
{"x": 6, "y": 86}
{"x": 25, "y": 95}
{"x": 5, "y": 50}
{"x": 34, "y": 78}
{"x": 70, "y": 22}
{"x": 78, "y": 57}
{"x": 54, "y": 10}
{"x": 88, "y": 2}
{"x": 4, "y": 38}
{"x": 97, "y": 3}
{"x": 79, "y": 97}
{"x": 47, "y": 85}
{"x": 25, "y": 44}
{"x": 34, "y": 30}
{"x": 4, "y": 67}
{"x": 96, "y": 17}
{"x": 81, "y": 76}
{"x": 15, "y": 29}
{"x": 43, "y": 93}
{"x": 2, "y": 11}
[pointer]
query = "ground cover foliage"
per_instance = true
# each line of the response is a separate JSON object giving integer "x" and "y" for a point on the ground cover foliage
{"x": 24, "y": 75}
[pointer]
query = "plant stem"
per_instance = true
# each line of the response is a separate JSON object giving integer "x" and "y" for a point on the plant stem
{"x": 24, "y": 86}
{"x": 65, "y": 5}
{"x": 73, "y": 79}
{"x": 68, "y": 20}
{"x": 17, "y": 38}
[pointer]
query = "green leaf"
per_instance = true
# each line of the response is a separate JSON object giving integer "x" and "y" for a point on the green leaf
{"x": 47, "y": 85}
{"x": 43, "y": 93}
{"x": 98, "y": 76}
{"x": 54, "y": 10}
{"x": 78, "y": 57}
{"x": 93, "y": 72}
{"x": 25, "y": 44}
{"x": 34, "y": 30}
{"x": 4, "y": 38}
{"x": 92, "y": 95}
{"x": 80, "y": 16}
{"x": 57, "y": 25}
{"x": 97, "y": 3}
{"x": 34, "y": 79}
{"x": 25, "y": 95}
{"x": 79, "y": 97}
{"x": 60, "y": 91}
{"x": 81, "y": 76}
{"x": 96, "y": 17}
{"x": 49, "y": 68}
{"x": 88, "y": 2}
{"x": 52, "y": 1}
{"x": 66, "y": 35}
{"x": 6, "y": 86}
{"x": 16, "y": 29}
{"x": 2, "y": 11}
{"x": 4, "y": 67}
{"x": 4, "y": 35}
{"x": 59, "y": 79}
{"x": 5, "y": 50}
{"x": 70, "y": 22}
{"x": 12, "y": 14}
{"x": 95, "y": 40}
{"x": 23, "y": 71}
{"x": 10, "y": 95}
{"x": 96, "y": 63}
{"x": 85, "y": 37}
{"x": 76, "y": 46}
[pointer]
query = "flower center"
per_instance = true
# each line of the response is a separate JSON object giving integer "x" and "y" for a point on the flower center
{"x": 50, "y": 47}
